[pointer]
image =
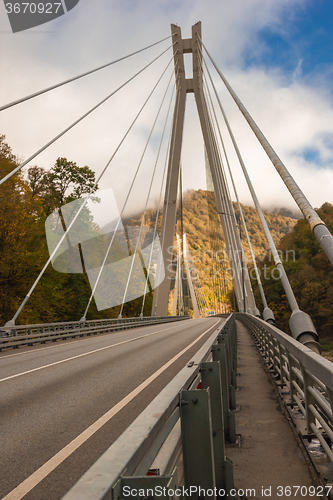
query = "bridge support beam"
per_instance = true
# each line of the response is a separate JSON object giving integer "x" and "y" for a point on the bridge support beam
{"x": 189, "y": 279}
{"x": 194, "y": 85}
{"x": 234, "y": 249}
{"x": 161, "y": 295}
{"x": 176, "y": 289}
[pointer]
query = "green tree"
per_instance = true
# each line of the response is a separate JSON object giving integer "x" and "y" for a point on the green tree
{"x": 36, "y": 181}
{"x": 65, "y": 182}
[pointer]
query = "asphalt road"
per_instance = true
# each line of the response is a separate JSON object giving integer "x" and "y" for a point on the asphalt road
{"x": 64, "y": 404}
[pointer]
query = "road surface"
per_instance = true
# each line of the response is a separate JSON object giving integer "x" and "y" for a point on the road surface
{"x": 63, "y": 405}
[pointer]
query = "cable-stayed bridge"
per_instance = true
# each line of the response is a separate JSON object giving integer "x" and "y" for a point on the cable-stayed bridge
{"x": 163, "y": 389}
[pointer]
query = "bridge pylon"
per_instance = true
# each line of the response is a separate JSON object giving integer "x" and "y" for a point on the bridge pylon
{"x": 184, "y": 86}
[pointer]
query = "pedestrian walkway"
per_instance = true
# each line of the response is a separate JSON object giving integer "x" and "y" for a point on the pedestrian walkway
{"x": 269, "y": 458}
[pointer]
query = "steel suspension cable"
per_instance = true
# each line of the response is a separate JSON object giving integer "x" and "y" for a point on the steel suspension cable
{"x": 220, "y": 194}
{"x": 57, "y": 85}
{"x": 12, "y": 321}
{"x": 189, "y": 280}
{"x": 159, "y": 201}
{"x": 202, "y": 299}
{"x": 262, "y": 293}
{"x": 159, "y": 263}
{"x": 237, "y": 199}
{"x": 276, "y": 257}
{"x": 318, "y": 227}
{"x": 223, "y": 187}
{"x": 300, "y": 323}
{"x": 180, "y": 278}
{"x": 123, "y": 209}
{"x": 214, "y": 239}
{"x": 247, "y": 291}
{"x": 175, "y": 120}
{"x": 147, "y": 199}
{"x": 198, "y": 289}
{"x": 19, "y": 167}
{"x": 240, "y": 256}
{"x": 227, "y": 209}
{"x": 199, "y": 301}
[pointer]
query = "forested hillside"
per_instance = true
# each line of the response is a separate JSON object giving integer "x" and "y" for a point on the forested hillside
{"x": 201, "y": 222}
{"x": 308, "y": 268}
{"x": 25, "y": 202}
{"x": 27, "y": 199}
{"x": 310, "y": 274}
{"x": 197, "y": 217}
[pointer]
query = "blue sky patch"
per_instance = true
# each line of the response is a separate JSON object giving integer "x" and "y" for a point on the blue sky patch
{"x": 305, "y": 35}
{"x": 312, "y": 155}
{"x": 315, "y": 157}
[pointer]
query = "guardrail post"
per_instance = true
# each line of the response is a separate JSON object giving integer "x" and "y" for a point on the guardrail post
{"x": 211, "y": 377}
{"x": 229, "y": 330}
{"x": 278, "y": 362}
{"x": 219, "y": 354}
{"x": 233, "y": 336}
{"x": 223, "y": 340}
{"x": 197, "y": 441}
{"x": 128, "y": 487}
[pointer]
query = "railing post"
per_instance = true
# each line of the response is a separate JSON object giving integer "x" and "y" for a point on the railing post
{"x": 266, "y": 341}
{"x": 284, "y": 362}
{"x": 308, "y": 400}
{"x": 197, "y": 441}
{"x": 219, "y": 354}
{"x": 223, "y": 340}
{"x": 233, "y": 337}
{"x": 211, "y": 377}
{"x": 275, "y": 364}
{"x": 292, "y": 378}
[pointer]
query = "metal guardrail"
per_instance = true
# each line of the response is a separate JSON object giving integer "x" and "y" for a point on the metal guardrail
{"x": 178, "y": 441}
{"x": 30, "y": 334}
{"x": 305, "y": 382}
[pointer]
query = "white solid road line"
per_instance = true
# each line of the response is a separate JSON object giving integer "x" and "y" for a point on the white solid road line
{"x": 84, "y": 354}
{"x": 23, "y": 489}
{"x": 4, "y": 355}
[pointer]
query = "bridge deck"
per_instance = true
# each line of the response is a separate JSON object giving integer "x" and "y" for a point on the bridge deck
{"x": 269, "y": 455}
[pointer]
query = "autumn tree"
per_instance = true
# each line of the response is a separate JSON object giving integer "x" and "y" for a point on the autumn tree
{"x": 24, "y": 203}
{"x": 21, "y": 235}
{"x": 310, "y": 274}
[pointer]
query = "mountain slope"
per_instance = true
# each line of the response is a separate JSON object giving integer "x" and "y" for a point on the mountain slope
{"x": 201, "y": 223}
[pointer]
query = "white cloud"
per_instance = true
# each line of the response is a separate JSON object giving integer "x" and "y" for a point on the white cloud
{"x": 294, "y": 112}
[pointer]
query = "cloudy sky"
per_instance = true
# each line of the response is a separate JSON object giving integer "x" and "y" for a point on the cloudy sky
{"x": 277, "y": 55}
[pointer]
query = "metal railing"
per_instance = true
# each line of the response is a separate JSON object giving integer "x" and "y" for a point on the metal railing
{"x": 178, "y": 441}
{"x": 30, "y": 334}
{"x": 304, "y": 379}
